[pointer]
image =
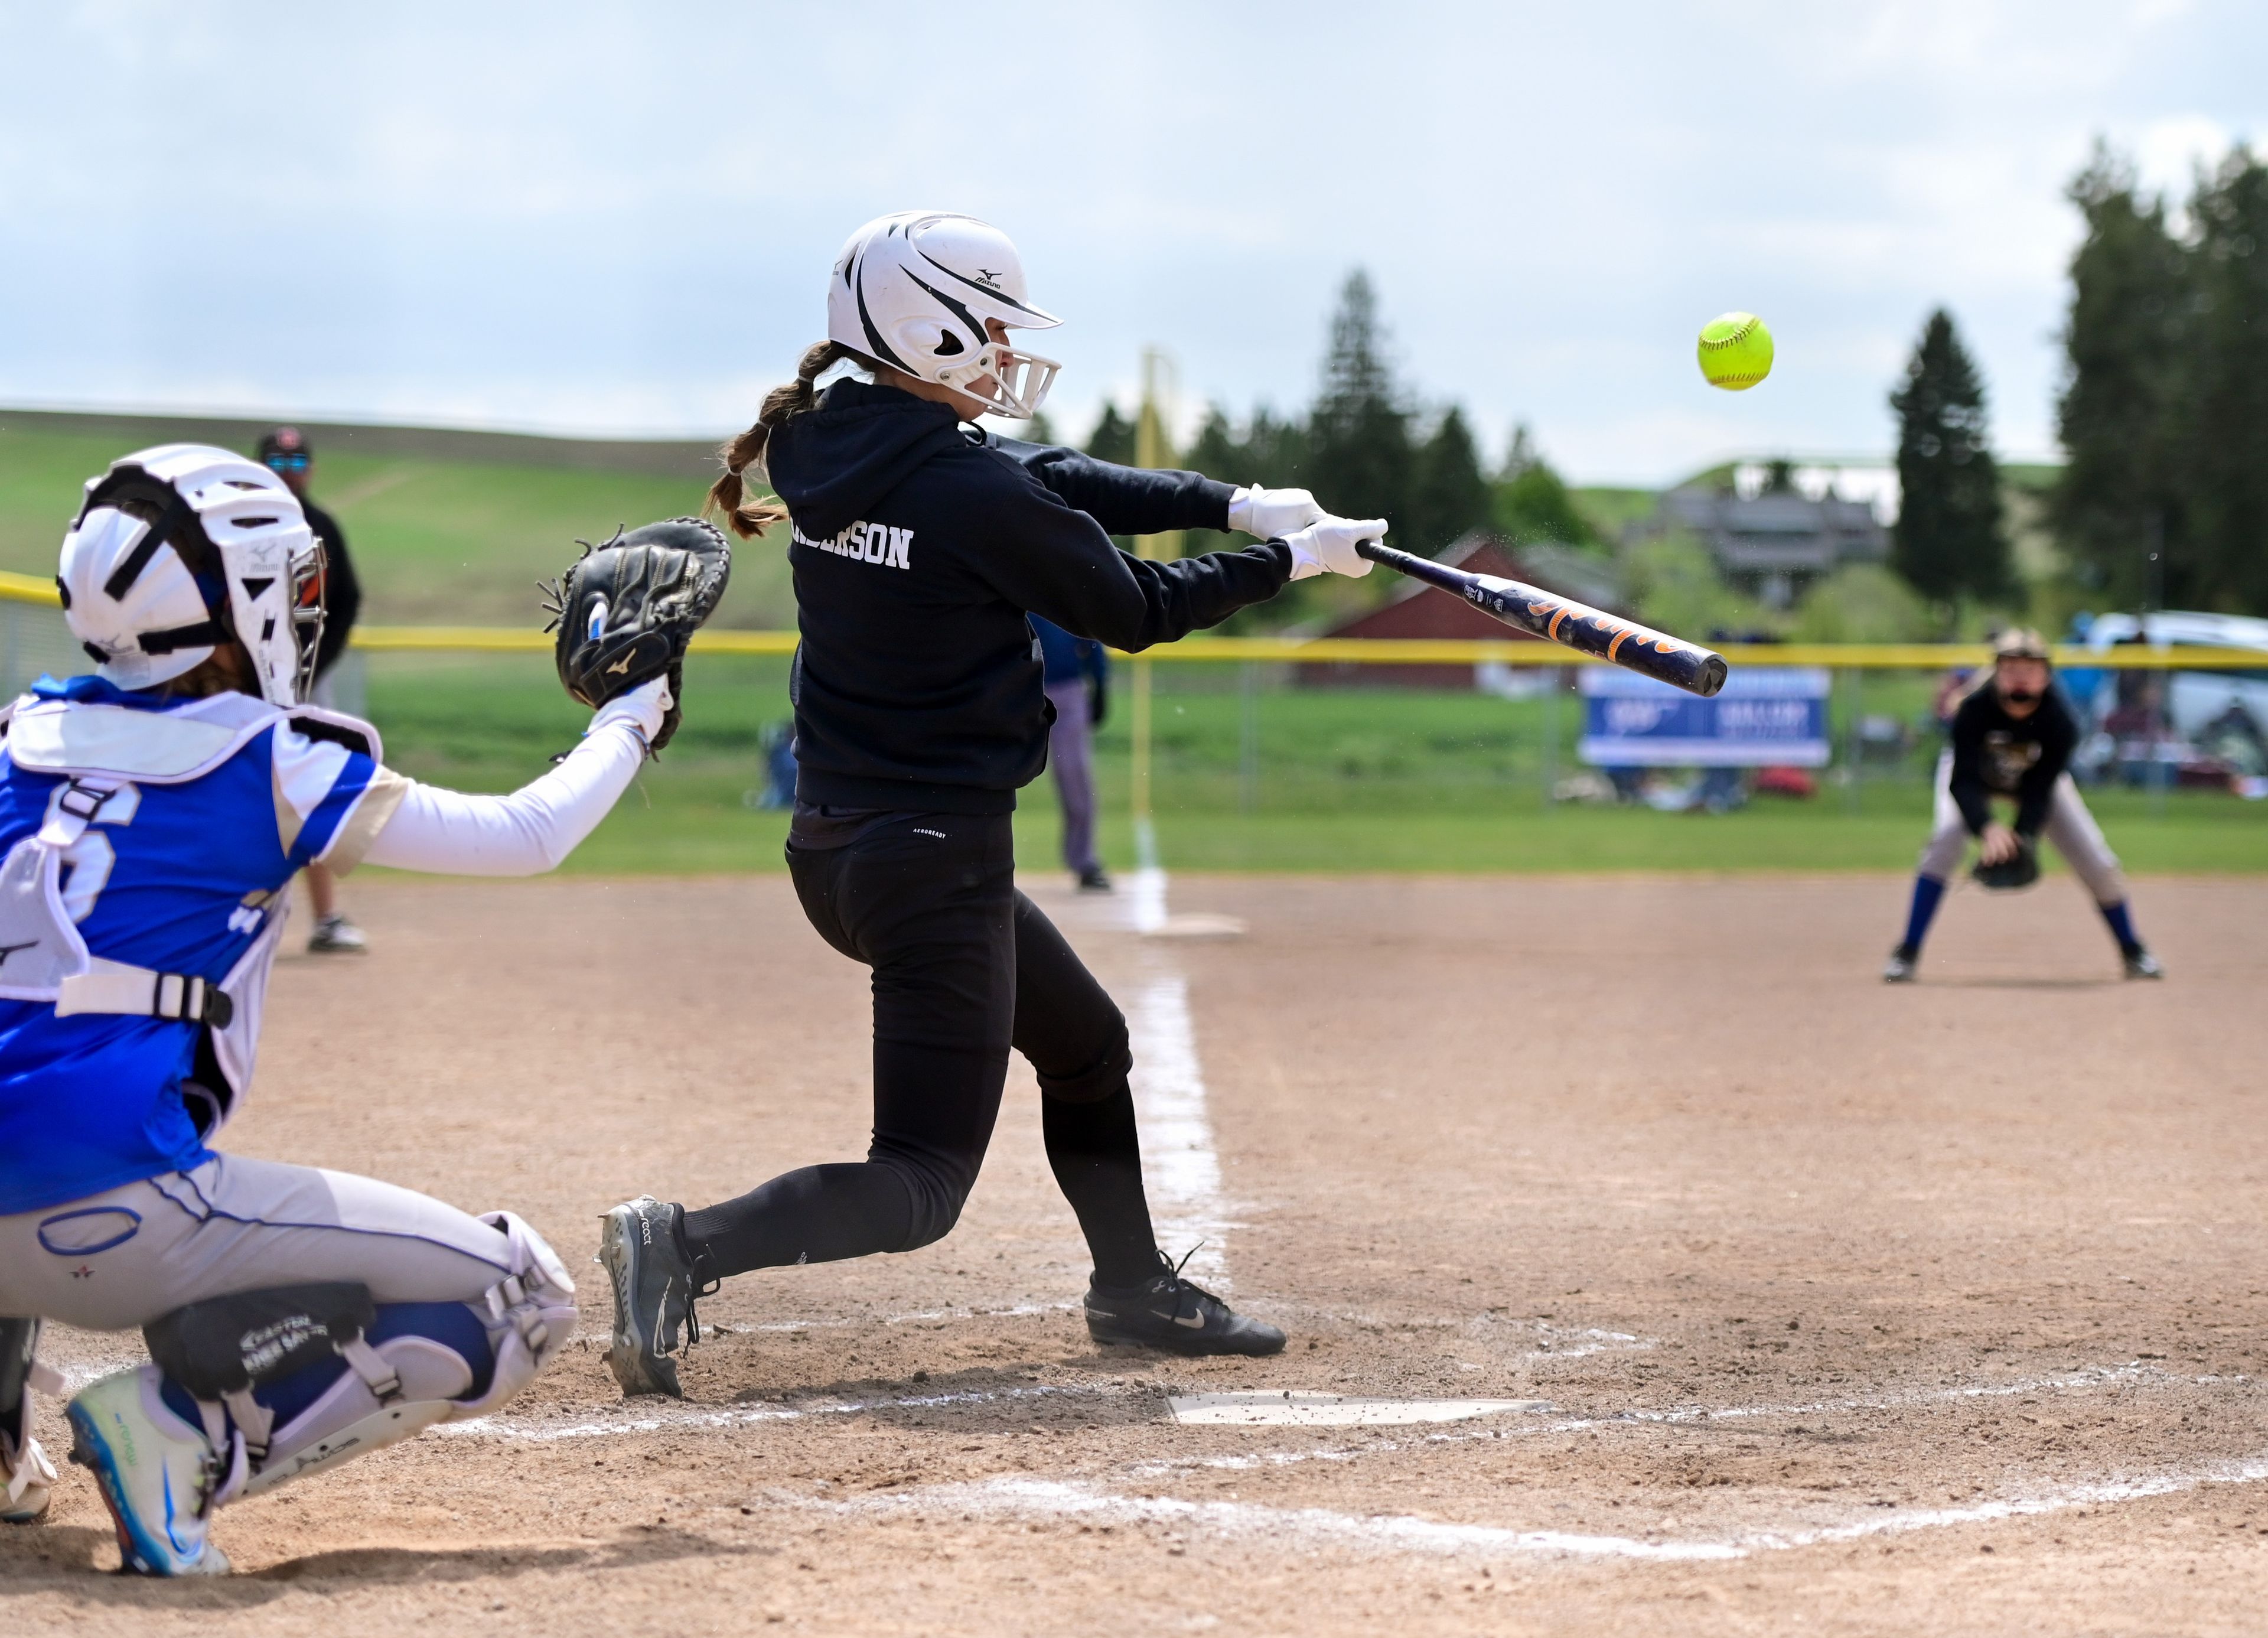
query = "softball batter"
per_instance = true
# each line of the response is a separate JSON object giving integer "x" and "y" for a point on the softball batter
{"x": 151, "y": 817}
{"x": 2012, "y": 739}
{"x": 918, "y": 545}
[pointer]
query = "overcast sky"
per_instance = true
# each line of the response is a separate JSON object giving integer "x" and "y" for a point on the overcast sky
{"x": 619, "y": 218}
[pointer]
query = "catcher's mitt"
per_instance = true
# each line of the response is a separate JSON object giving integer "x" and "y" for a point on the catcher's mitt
{"x": 2019, "y": 869}
{"x": 625, "y": 612}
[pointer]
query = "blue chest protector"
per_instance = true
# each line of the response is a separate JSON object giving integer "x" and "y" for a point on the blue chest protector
{"x": 146, "y": 846}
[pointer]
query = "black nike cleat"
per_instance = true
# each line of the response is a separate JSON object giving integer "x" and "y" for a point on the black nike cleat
{"x": 1900, "y": 968}
{"x": 1169, "y": 1313}
{"x": 643, "y": 1251}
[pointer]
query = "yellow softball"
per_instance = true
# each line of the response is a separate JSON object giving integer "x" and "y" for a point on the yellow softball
{"x": 1736, "y": 351}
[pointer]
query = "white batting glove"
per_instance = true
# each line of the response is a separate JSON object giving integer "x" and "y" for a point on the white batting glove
{"x": 642, "y": 708}
{"x": 1328, "y": 547}
{"x": 1272, "y": 513}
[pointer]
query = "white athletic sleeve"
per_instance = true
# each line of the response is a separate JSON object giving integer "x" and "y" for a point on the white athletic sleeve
{"x": 525, "y": 833}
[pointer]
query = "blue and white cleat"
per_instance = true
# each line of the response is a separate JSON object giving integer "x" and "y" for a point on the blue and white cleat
{"x": 158, "y": 1474}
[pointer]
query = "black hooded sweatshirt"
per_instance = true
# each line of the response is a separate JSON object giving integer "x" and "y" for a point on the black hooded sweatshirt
{"x": 917, "y": 548}
{"x": 1997, "y": 754}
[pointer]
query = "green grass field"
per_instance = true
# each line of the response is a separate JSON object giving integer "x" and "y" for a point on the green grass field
{"x": 435, "y": 542}
{"x": 1376, "y": 779}
{"x": 1343, "y": 780}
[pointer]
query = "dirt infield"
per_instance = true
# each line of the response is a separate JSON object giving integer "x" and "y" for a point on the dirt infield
{"x": 1804, "y": 1303}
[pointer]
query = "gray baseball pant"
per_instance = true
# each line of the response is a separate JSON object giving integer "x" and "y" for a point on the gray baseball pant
{"x": 2069, "y": 828}
{"x": 1070, "y": 750}
{"x": 118, "y": 1259}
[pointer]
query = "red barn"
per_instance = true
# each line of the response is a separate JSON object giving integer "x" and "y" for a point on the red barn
{"x": 1416, "y": 611}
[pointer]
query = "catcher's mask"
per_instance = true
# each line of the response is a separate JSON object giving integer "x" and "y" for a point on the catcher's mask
{"x": 229, "y": 554}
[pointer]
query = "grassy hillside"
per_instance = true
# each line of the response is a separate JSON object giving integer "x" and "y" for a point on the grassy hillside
{"x": 436, "y": 542}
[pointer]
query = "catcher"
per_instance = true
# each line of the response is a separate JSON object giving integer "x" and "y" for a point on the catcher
{"x": 2011, "y": 738}
{"x": 152, "y": 815}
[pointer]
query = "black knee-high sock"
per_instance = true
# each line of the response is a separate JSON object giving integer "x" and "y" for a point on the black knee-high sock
{"x": 816, "y": 1215}
{"x": 1097, "y": 1158}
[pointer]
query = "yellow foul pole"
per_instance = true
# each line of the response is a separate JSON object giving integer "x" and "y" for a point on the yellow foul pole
{"x": 1151, "y": 450}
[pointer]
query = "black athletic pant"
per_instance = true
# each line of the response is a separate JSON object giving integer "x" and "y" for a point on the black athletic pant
{"x": 964, "y": 967}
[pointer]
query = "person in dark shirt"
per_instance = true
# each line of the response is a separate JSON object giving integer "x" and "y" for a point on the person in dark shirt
{"x": 2011, "y": 738}
{"x": 920, "y": 544}
{"x": 1076, "y": 671}
{"x": 285, "y": 453}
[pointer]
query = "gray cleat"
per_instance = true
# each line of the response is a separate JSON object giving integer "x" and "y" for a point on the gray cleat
{"x": 642, "y": 1250}
{"x": 2141, "y": 964}
{"x": 1900, "y": 968}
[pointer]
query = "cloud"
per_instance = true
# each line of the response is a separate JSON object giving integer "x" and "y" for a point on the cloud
{"x": 607, "y": 218}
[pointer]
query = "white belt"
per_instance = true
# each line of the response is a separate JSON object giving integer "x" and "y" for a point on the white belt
{"x": 113, "y": 986}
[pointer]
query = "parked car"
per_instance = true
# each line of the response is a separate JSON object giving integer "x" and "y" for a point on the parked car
{"x": 2202, "y": 725}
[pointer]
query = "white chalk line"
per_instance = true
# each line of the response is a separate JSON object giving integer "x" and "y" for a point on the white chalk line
{"x": 690, "y": 1418}
{"x": 672, "y": 1418}
{"x": 1683, "y": 1416}
{"x": 1181, "y": 1167}
{"x": 1058, "y": 1500}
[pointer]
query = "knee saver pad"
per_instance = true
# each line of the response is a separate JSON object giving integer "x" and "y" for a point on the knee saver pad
{"x": 529, "y": 1315}
{"x": 1100, "y": 1079}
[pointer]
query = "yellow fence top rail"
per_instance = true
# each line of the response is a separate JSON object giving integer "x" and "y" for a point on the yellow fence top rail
{"x": 1370, "y": 651}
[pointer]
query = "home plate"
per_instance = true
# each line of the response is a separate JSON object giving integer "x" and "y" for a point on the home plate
{"x": 1332, "y": 1410}
{"x": 1196, "y": 926}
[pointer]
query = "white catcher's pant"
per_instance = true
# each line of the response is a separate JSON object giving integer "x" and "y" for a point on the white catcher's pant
{"x": 117, "y": 1260}
{"x": 2069, "y": 828}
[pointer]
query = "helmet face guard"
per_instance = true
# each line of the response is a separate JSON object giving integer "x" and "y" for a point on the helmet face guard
{"x": 1005, "y": 380}
{"x": 227, "y": 532}
{"x": 310, "y": 601}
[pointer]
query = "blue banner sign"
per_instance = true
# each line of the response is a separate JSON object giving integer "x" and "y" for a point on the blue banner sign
{"x": 1768, "y": 716}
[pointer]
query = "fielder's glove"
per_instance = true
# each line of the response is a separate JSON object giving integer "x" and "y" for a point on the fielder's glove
{"x": 625, "y": 612}
{"x": 2019, "y": 869}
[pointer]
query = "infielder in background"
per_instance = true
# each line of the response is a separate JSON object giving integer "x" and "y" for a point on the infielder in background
{"x": 918, "y": 546}
{"x": 151, "y": 818}
{"x": 2012, "y": 739}
{"x": 285, "y": 453}
{"x": 1076, "y": 672}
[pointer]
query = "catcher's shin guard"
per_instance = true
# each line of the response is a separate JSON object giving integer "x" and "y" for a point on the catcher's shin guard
{"x": 406, "y": 1365}
{"x": 27, "y": 1475}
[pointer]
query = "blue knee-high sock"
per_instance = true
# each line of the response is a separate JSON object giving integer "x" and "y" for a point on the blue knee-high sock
{"x": 2122, "y": 926}
{"x": 1927, "y": 891}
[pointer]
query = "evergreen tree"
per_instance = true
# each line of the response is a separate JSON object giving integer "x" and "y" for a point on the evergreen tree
{"x": 2127, "y": 338}
{"x": 1361, "y": 456}
{"x": 2220, "y": 559}
{"x": 1948, "y": 542}
{"x": 1532, "y": 505}
{"x": 1113, "y": 437}
{"x": 1449, "y": 496}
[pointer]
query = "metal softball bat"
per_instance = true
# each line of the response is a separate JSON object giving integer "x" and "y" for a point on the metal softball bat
{"x": 1558, "y": 619}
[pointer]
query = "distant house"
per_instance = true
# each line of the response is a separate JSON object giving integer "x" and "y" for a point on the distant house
{"x": 1416, "y": 611}
{"x": 1772, "y": 540}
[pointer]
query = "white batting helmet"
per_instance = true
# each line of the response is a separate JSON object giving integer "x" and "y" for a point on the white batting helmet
{"x": 913, "y": 291}
{"x": 230, "y": 556}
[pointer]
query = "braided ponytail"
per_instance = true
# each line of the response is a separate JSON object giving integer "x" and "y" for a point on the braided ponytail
{"x": 728, "y": 494}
